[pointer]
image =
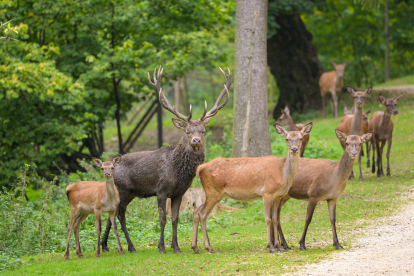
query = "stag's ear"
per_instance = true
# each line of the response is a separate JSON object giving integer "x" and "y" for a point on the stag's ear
{"x": 333, "y": 63}
{"x": 179, "y": 124}
{"x": 97, "y": 161}
{"x": 366, "y": 137}
{"x": 396, "y": 98}
{"x": 206, "y": 121}
{"x": 350, "y": 90}
{"x": 116, "y": 160}
{"x": 306, "y": 129}
{"x": 281, "y": 130}
{"x": 382, "y": 98}
{"x": 366, "y": 92}
{"x": 345, "y": 63}
{"x": 341, "y": 136}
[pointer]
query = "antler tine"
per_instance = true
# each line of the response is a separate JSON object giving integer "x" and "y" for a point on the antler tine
{"x": 191, "y": 113}
{"x": 205, "y": 111}
{"x": 225, "y": 91}
{"x": 164, "y": 102}
{"x": 157, "y": 79}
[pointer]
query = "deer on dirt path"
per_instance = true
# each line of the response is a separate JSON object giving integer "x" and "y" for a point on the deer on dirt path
{"x": 382, "y": 126}
{"x": 353, "y": 124}
{"x": 286, "y": 120}
{"x": 248, "y": 179}
{"x": 167, "y": 172}
{"x": 332, "y": 82}
{"x": 93, "y": 197}
{"x": 321, "y": 179}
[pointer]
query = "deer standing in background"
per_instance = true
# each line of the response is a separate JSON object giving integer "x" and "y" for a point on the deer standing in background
{"x": 348, "y": 112}
{"x": 332, "y": 82}
{"x": 321, "y": 179}
{"x": 382, "y": 126}
{"x": 286, "y": 120}
{"x": 353, "y": 124}
{"x": 248, "y": 179}
{"x": 93, "y": 197}
{"x": 167, "y": 172}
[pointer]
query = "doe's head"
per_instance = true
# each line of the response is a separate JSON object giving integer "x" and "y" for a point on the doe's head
{"x": 339, "y": 68}
{"x": 391, "y": 103}
{"x": 293, "y": 138}
{"x": 107, "y": 166}
{"x": 285, "y": 117}
{"x": 359, "y": 97}
{"x": 365, "y": 117}
{"x": 353, "y": 142}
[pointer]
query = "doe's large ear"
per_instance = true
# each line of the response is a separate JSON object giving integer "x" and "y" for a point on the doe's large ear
{"x": 334, "y": 64}
{"x": 179, "y": 124}
{"x": 396, "y": 98}
{"x": 281, "y": 130}
{"x": 116, "y": 160}
{"x": 382, "y": 98}
{"x": 350, "y": 90}
{"x": 369, "y": 111}
{"x": 286, "y": 110}
{"x": 97, "y": 161}
{"x": 366, "y": 137}
{"x": 345, "y": 63}
{"x": 340, "y": 134}
{"x": 306, "y": 129}
{"x": 368, "y": 91}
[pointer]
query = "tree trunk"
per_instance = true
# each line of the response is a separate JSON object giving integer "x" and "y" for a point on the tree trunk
{"x": 251, "y": 130}
{"x": 177, "y": 94}
{"x": 387, "y": 44}
{"x": 184, "y": 94}
{"x": 294, "y": 63}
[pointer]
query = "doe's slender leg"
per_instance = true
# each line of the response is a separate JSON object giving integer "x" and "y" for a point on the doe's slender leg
{"x": 311, "y": 208}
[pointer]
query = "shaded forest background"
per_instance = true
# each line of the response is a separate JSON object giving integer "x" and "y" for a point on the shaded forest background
{"x": 80, "y": 67}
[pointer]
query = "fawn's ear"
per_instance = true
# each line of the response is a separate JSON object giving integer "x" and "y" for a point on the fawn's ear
{"x": 350, "y": 90}
{"x": 97, "y": 161}
{"x": 281, "y": 130}
{"x": 306, "y": 129}
{"x": 368, "y": 90}
{"x": 340, "y": 134}
{"x": 382, "y": 98}
{"x": 179, "y": 124}
{"x": 396, "y": 98}
{"x": 116, "y": 160}
{"x": 366, "y": 137}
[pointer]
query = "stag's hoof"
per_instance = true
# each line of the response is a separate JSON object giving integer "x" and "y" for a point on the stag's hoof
{"x": 281, "y": 249}
{"x": 286, "y": 247}
{"x": 272, "y": 250}
{"x": 302, "y": 248}
{"x": 388, "y": 173}
{"x": 340, "y": 247}
{"x": 105, "y": 249}
{"x": 132, "y": 249}
{"x": 212, "y": 251}
{"x": 162, "y": 250}
{"x": 177, "y": 250}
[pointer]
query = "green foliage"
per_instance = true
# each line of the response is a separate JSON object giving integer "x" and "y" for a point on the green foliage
{"x": 343, "y": 30}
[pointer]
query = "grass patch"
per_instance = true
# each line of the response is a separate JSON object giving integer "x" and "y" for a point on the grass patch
{"x": 407, "y": 80}
{"x": 360, "y": 206}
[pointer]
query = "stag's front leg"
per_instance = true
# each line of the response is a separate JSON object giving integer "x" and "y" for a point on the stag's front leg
{"x": 162, "y": 211}
{"x": 175, "y": 209}
{"x": 388, "y": 156}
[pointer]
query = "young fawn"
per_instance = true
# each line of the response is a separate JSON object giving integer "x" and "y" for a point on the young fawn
{"x": 322, "y": 179}
{"x": 93, "y": 197}
{"x": 248, "y": 179}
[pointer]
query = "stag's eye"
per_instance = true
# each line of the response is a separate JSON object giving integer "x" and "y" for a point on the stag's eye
{"x": 187, "y": 132}
{"x": 347, "y": 144}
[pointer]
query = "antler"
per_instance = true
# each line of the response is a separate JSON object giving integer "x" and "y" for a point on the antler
{"x": 216, "y": 106}
{"x": 163, "y": 100}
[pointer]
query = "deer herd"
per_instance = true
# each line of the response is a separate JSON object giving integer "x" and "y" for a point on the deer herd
{"x": 169, "y": 171}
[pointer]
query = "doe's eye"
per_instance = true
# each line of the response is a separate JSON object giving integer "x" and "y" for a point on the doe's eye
{"x": 347, "y": 144}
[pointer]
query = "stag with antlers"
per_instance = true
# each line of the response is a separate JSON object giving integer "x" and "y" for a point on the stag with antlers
{"x": 167, "y": 172}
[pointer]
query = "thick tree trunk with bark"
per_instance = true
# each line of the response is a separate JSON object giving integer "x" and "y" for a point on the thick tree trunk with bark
{"x": 293, "y": 61}
{"x": 251, "y": 129}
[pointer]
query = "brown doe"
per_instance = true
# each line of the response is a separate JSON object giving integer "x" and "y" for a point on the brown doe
{"x": 248, "y": 179}
{"x": 321, "y": 179}
{"x": 353, "y": 124}
{"x": 286, "y": 120}
{"x": 93, "y": 197}
{"x": 382, "y": 126}
{"x": 332, "y": 82}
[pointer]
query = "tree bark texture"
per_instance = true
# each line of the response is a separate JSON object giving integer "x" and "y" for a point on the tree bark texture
{"x": 292, "y": 57}
{"x": 251, "y": 130}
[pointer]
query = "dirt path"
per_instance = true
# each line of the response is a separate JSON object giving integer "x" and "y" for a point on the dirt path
{"x": 386, "y": 250}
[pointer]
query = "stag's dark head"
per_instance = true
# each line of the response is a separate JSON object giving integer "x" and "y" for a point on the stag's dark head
{"x": 359, "y": 97}
{"x": 353, "y": 142}
{"x": 194, "y": 129}
{"x": 340, "y": 69}
{"x": 107, "y": 166}
{"x": 293, "y": 138}
{"x": 390, "y": 104}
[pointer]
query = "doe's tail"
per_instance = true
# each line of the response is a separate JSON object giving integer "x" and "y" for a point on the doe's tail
{"x": 198, "y": 171}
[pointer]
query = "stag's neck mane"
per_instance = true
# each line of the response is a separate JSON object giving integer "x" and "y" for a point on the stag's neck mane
{"x": 356, "y": 125}
{"x": 186, "y": 160}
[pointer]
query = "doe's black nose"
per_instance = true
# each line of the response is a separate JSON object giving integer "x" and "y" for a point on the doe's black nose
{"x": 396, "y": 112}
{"x": 294, "y": 149}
